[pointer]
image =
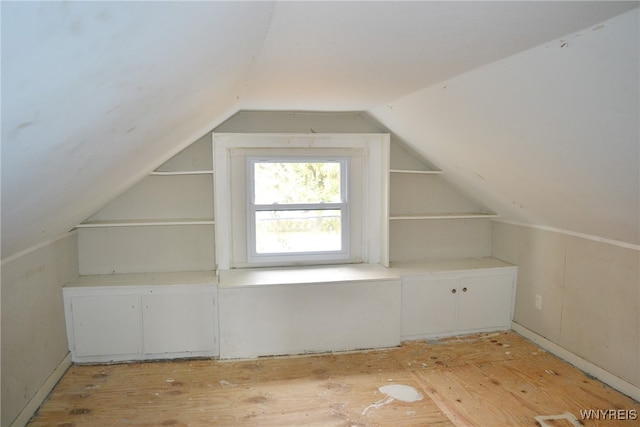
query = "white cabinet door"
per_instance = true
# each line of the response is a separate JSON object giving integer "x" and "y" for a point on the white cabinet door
{"x": 178, "y": 322}
{"x": 485, "y": 302}
{"x": 428, "y": 306}
{"x": 106, "y": 325}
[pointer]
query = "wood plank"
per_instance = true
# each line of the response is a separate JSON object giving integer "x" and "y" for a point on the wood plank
{"x": 313, "y": 390}
{"x": 515, "y": 390}
{"x": 494, "y": 379}
{"x": 455, "y": 351}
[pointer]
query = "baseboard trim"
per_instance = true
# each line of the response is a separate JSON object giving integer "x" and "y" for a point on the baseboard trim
{"x": 584, "y": 365}
{"x": 39, "y": 398}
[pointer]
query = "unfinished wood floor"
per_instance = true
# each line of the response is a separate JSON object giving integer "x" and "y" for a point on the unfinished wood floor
{"x": 486, "y": 380}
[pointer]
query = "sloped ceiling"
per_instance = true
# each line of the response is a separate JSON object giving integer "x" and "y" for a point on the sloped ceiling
{"x": 549, "y": 136}
{"x": 97, "y": 94}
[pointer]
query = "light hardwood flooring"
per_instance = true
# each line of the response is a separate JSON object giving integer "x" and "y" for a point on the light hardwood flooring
{"x": 497, "y": 379}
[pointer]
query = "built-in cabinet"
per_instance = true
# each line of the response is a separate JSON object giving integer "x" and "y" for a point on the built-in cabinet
{"x": 148, "y": 287}
{"x": 308, "y": 309}
{"x": 440, "y": 244}
{"x": 441, "y": 298}
{"x": 141, "y": 316}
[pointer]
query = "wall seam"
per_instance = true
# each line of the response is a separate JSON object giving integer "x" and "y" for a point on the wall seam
{"x": 38, "y": 246}
{"x": 613, "y": 242}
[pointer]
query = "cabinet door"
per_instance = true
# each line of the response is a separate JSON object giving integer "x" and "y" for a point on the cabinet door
{"x": 428, "y": 307}
{"x": 106, "y": 325}
{"x": 178, "y": 322}
{"x": 485, "y": 302}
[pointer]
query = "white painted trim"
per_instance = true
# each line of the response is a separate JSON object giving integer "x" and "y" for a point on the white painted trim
{"x": 174, "y": 173}
{"x": 37, "y": 246}
{"x": 471, "y": 215}
{"x": 40, "y": 396}
{"x": 608, "y": 378}
{"x": 375, "y": 172}
{"x": 574, "y": 234}
{"x": 416, "y": 171}
{"x": 383, "y": 158}
{"x": 222, "y": 201}
{"x": 194, "y": 136}
{"x": 343, "y": 206}
{"x": 145, "y": 223}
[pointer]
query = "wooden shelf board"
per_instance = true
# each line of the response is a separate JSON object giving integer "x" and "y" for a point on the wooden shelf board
{"x": 461, "y": 215}
{"x": 418, "y": 267}
{"x": 173, "y": 173}
{"x": 145, "y": 222}
{"x": 417, "y": 172}
{"x": 145, "y": 279}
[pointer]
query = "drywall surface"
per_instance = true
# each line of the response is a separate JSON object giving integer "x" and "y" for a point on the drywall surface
{"x": 442, "y": 239}
{"x": 252, "y": 121}
{"x": 34, "y": 339}
{"x": 107, "y": 91}
{"x": 590, "y": 294}
{"x": 548, "y": 136}
{"x": 119, "y": 250}
{"x": 297, "y": 122}
{"x": 312, "y": 317}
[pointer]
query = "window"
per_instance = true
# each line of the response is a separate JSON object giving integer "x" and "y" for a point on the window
{"x": 298, "y": 209}
{"x": 300, "y": 199}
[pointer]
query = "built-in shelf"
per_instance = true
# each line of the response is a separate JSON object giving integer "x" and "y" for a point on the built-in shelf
{"x": 417, "y": 172}
{"x": 180, "y": 278}
{"x": 461, "y": 215}
{"x": 172, "y": 173}
{"x": 420, "y": 267}
{"x": 145, "y": 222}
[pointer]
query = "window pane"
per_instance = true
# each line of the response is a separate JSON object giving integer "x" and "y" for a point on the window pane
{"x": 298, "y": 231}
{"x": 297, "y": 182}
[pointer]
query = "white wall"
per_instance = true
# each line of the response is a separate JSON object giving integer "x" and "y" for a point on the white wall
{"x": 408, "y": 240}
{"x": 297, "y": 122}
{"x": 106, "y": 91}
{"x": 34, "y": 340}
{"x": 590, "y": 293}
{"x": 548, "y": 136}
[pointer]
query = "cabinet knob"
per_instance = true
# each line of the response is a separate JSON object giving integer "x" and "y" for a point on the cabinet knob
{"x": 453, "y": 291}
{"x": 464, "y": 289}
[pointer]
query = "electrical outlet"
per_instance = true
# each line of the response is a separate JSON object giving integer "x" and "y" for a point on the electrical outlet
{"x": 538, "y": 302}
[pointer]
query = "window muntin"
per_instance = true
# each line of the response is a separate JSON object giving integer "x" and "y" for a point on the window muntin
{"x": 368, "y": 185}
{"x": 297, "y": 209}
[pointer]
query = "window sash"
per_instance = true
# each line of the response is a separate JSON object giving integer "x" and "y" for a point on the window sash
{"x": 252, "y": 207}
{"x": 299, "y": 206}
{"x": 368, "y": 155}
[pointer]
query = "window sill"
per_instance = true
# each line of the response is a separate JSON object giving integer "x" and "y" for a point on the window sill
{"x": 237, "y": 278}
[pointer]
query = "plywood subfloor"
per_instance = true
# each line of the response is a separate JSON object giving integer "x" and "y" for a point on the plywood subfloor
{"x": 497, "y": 379}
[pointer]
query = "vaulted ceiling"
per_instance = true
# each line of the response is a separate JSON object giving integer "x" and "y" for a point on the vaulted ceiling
{"x": 97, "y": 94}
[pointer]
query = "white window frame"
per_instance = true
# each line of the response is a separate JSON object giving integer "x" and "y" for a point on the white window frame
{"x": 342, "y": 206}
{"x": 369, "y": 171}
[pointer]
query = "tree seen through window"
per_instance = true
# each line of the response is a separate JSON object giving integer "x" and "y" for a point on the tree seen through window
{"x": 299, "y": 206}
